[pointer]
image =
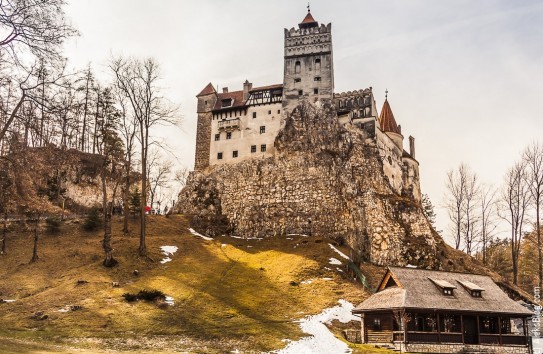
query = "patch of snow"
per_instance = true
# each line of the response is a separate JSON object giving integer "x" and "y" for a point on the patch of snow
{"x": 327, "y": 268}
{"x": 338, "y": 251}
{"x": 327, "y": 279}
{"x": 411, "y": 266}
{"x": 168, "y": 251}
{"x": 192, "y": 231}
{"x": 309, "y": 281}
{"x": 303, "y": 235}
{"x": 223, "y": 245}
{"x": 169, "y": 300}
{"x": 6, "y": 301}
{"x": 335, "y": 261}
{"x": 249, "y": 246}
{"x": 247, "y": 238}
{"x": 236, "y": 236}
{"x": 321, "y": 340}
{"x": 339, "y": 270}
{"x": 289, "y": 238}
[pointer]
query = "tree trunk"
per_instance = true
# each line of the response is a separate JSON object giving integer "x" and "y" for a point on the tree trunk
{"x": 4, "y": 232}
{"x": 35, "y": 251}
{"x": 538, "y": 231}
{"x": 109, "y": 261}
{"x": 143, "y": 247}
{"x": 85, "y": 110}
{"x": 126, "y": 194}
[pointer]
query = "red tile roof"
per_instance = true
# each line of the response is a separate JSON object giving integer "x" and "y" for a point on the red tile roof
{"x": 386, "y": 119}
{"x": 308, "y": 19}
{"x": 209, "y": 89}
{"x": 237, "y": 96}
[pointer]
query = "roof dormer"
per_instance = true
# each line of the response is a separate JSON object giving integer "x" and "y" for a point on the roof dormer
{"x": 445, "y": 287}
{"x": 473, "y": 289}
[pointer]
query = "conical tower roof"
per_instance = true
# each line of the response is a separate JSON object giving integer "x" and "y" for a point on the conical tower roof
{"x": 308, "y": 21}
{"x": 386, "y": 119}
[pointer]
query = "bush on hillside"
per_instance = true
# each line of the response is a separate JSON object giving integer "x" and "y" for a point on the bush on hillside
{"x": 93, "y": 220}
{"x": 146, "y": 295}
{"x": 53, "y": 224}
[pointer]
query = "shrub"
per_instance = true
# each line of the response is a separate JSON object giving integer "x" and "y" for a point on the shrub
{"x": 151, "y": 295}
{"x": 93, "y": 220}
{"x": 53, "y": 224}
{"x": 130, "y": 297}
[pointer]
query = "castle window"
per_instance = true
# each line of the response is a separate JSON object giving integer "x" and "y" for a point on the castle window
{"x": 262, "y": 129}
{"x": 300, "y": 92}
{"x": 297, "y": 67}
{"x": 219, "y": 156}
{"x": 205, "y": 103}
{"x": 278, "y": 111}
{"x": 317, "y": 64}
{"x": 263, "y": 148}
{"x": 269, "y": 112}
{"x": 317, "y": 78}
{"x": 316, "y": 91}
{"x": 235, "y": 153}
{"x": 253, "y": 148}
{"x": 226, "y": 103}
{"x": 217, "y": 137}
{"x": 228, "y": 135}
{"x": 254, "y": 114}
{"x": 298, "y": 80}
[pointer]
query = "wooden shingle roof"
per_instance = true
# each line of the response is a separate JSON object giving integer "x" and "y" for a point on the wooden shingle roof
{"x": 387, "y": 121}
{"x": 417, "y": 289}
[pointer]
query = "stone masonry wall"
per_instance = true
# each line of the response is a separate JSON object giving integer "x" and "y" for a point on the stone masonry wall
{"x": 326, "y": 180}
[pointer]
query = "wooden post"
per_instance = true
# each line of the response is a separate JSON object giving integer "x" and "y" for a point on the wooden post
{"x": 462, "y": 328}
{"x": 362, "y": 329}
{"x": 478, "y": 331}
{"x": 438, "y": 328}
{"x": 500, "y": 329}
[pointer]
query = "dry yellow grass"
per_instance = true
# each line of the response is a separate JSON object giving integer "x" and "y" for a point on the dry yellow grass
{"x": 229, "y": 293}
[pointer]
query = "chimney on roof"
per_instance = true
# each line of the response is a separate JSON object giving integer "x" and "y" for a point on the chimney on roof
{"x": 412, "y": 146}
{"x": 225, "y": 90}
{"x": 247, "y": 86}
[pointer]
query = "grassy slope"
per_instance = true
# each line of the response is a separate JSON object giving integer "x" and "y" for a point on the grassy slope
{"x": 229, "y": 293}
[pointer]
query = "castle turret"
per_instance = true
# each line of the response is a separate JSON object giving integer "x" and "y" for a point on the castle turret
{"x": 206, "y": 101}
{"x": 389, "y": 126}
{"x": 309, "y": 70}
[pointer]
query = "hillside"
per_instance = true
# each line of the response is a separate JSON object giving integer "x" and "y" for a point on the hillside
{"x": 228, "y": 293}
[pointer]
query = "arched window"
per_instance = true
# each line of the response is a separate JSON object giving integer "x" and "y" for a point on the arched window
{"x": 317, "y": 64}
{"x": 297, "y": 67}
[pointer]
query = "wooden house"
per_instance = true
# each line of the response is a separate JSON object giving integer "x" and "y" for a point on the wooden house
{"x": 427, "y": 311}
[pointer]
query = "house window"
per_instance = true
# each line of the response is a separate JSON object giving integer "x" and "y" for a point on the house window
{"x": 235, "y": 153}
{"x": 376, "y": 324}
{"x": 228, "y": 135}
{"x": 263, "y": 148}
{"x": 219, "y": 156}
{"x": 448, "y": 292}
{"x": 476, "y": 293}
{"x": 254, "y": 114}
{"x": 317, "y": 78}
{"x": 253, "y": 148}
{"x": 217, "y": 137}
{"x": 297, "y": 80}
{"x": 316, "y": 91}
{"x": 262, "y": 129}
{"x": 297, "y": 67}
{"x": 300, "y": 92}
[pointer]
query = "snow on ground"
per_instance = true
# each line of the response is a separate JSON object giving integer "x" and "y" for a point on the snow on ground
{"x": 327, "y": 279}
{"x": 309, "y": 281}
{"x": 338, "y": 251}
{"x": 335, "y": 261}
{"x": 167, "y": 251}
{"x": 6, "y": 301}
{"x": 192, "y": 231}
{"x": 321, "y": 340}
{"x": 169, "y": 300}
{"x": 303, "y": 235}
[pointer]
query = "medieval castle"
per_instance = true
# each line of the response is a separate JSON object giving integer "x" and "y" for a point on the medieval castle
{"x": 240, "y": 125}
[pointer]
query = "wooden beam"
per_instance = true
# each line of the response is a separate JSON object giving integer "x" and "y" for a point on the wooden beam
{"x": 478, "y": 331}
{"x": 462, "y": 328}
{"x": 500, "y": 329}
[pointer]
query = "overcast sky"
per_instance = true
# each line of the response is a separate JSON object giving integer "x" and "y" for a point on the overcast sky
{"x": 465, "y": 77}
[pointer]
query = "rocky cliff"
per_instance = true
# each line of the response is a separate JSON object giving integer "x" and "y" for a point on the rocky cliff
{"x": 326, "y": 179}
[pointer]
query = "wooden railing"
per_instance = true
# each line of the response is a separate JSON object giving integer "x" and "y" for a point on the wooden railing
{"x": 450, "y": 337}
{"x": 514, "y": 339}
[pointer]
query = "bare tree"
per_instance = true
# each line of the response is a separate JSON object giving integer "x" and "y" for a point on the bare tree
{"x": 462, "y": 186}
{"x": 533, "y": 158}
{"x": 488, "y": 224}
{"x": 138, "y": 81}
{"x": 159, "y": 172}
{"x": 516, "y": 201}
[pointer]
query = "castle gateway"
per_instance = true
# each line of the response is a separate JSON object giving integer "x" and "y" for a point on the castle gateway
{"x": 234, "y": 126}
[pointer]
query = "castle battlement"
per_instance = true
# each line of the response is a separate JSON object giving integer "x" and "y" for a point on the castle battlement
{"x": 293, "y": 32}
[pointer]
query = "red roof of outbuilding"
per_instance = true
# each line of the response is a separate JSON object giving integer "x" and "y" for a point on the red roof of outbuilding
{"x": 209, "y": 89}
{"x": 386, "y": 119}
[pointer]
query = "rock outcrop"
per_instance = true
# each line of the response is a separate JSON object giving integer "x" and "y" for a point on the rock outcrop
{"x": 326, "y": 179}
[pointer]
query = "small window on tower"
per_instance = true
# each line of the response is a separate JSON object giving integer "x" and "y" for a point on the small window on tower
{"x": 317, "y": 64}
{"x": 298, "y": 80}
{"x": 317, "y": 78}
{"x": 269, "y": 112}
{"x": 262, "y": 129}
{"x": 217, "y": 137}
{"x": 228, "y": 135}
{"x": 300, "y": 92}
{"x": 263, "y": 148}
{"x": 297, "y": 67}
{"x": 253, "y": 148}
{"x": 254, "y": 114}
{"x": 205, "y": 103}
{"x": 278, "y": 111}
{"x": 316, "y": 91}
{"x": 219, "y": 156}
{"x": 235, "y": 153}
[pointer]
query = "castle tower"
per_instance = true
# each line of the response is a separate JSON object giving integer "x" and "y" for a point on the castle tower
{"x": 206, "y": 101}
{"x": 309, "y": 70}
{"x": 389, "y": 126}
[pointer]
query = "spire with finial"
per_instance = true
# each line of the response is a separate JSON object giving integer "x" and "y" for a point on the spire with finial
{"x": 308, "y": 21}
{"x": 386, "y": 94}
{"x": 386, "y": 119}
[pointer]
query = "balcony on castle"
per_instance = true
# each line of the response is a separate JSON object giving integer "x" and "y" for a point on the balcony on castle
{"x": 229, "y": 124}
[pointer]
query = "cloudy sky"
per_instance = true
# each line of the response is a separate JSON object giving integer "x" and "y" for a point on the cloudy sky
{"x": 465, "y": 77}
